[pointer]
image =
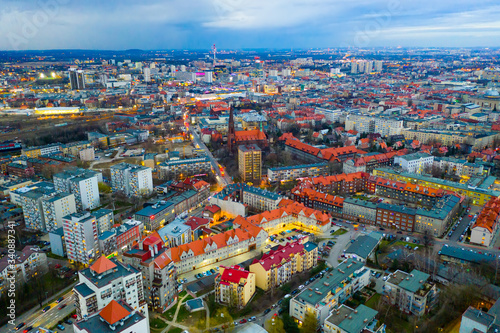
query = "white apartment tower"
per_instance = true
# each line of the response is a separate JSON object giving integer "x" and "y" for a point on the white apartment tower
{"x": 132, "y": 180}
{"x": 105, "y": 281}
{"x": 83, "y": 184}
{"x": 80, "y": 234}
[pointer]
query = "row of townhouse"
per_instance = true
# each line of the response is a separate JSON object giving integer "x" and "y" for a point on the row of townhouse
{"x": 478, "y": 195}
{"x": 245, "y": 237}
{"x": 291, "y": 213}
{"x": 277, "y": 267}
{"x": 293, "y": 172}
{"x": 312, "y": 154}
{"x": 486, "y": 224}
{"x": 368, "y": 162}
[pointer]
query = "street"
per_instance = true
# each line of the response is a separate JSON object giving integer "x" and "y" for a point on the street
{"x": 48, "y": 319}
{"x": 221, "y": 180}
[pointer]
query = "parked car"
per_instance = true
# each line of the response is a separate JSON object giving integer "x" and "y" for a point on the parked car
{"x": 74, "y": 316}
{"x": 266, "y": 311}
{"x": 243, "y": 321}
{"x": 378, "y": 275}
{"x": 61, "y": 327}
{"x": 212, "y": 270}
{"x": 27, "y": 329}
{"x": 18, "y": 327}
{"x": 62, "y": 306}
{"x": 252, "y": 319}
{"x": 47, "y": 308}
{"x": 68, "y": 321}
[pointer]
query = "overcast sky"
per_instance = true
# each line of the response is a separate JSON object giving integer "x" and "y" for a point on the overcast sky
{"x": 235, "y": 24}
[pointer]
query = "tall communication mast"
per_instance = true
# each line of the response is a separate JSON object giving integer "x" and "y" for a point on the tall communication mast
{"x": 214, "y": 50}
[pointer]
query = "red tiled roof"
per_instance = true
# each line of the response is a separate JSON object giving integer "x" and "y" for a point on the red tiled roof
{"x": 102, "y": 265}
{"x": 234, "y": 275}
{"x": 113, "y": 312}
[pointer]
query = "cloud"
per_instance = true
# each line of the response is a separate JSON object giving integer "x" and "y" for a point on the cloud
{"x": 160, "y": 24}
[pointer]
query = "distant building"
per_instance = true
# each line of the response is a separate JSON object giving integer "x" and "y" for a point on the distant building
{"x": 414, "y": 163}
{"x": 185, "y": 167}
{"x": 363, "y": 246}
{"x": 104, "y": 218}
{"x": 234, "y": 286}
{"x": 76, "y": 79}
{"x": 250, "y": 163}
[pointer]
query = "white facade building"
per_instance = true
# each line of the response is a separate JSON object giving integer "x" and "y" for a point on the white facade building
{"x": 80, "y": 234}
{"x": 132, "y": 180}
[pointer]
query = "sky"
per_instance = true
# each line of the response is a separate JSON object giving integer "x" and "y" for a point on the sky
{"x": 237, "y": 24}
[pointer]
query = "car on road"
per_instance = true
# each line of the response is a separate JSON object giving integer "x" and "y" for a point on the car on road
{"x": 18, "y": 327}
{"x": 451, "y": 232}
{"x": 253, "y": 318}
{"x": 60, "y": 299}
{"x": 266, "y": 311}
{"x": 61, "y": 327}
{"x": 27, "y": 329}
{"x": 301, "y": 287}
{"x": 295, "y": 291}
{"x": 243, "y": 321}
{"x": 62, "y": 306}
{"x": 212, "y": 270}
{"x": 280, "y": 311}
{"x": 68, "y": 321}
{"x": 184, "y": 280}
{"x": 47, "y": 308}
{"x": 74, "y": 316}
{"x": 287, "y": 296}
{"x": 378, "y": 275}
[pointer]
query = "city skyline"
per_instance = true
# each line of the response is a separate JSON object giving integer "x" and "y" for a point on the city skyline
{"x": 234, "y": 24}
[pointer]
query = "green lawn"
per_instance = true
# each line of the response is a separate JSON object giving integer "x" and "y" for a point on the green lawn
{"x": 339, "y": 232}
{"x": 175, "y": 330}
{"x": 372, "y": 302}
{"x": 183, "y": 314}
{"x": 157, "y": 323}
{"x": 169, "y": 314}
{"x": 412, "y": 245}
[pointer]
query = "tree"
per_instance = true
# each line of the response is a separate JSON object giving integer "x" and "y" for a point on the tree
{"x": 222, "y": 317}
{"x": 275, "y": 325}
{"x": 427, "y": 239}
{"x": 104, "y": 188}
{"x": 310, "y": 323}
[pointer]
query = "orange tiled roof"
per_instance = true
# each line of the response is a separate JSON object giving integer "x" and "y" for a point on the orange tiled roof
{"x": 113, "y": 312}
{"x": 489, "y": 215}
{"x": 102, "y": 265}
{"x": 252, "y": 135}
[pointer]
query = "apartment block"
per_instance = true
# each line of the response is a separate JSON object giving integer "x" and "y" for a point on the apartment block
{"x": 234, "y": 286}
{"x": 250, "y": 163}
{"x": 105, "y": 219}
{"x": 396, "y": 216}
{"x": 185, "y": 167}
{"x": 105, "y": 281}
{"x": 80, "y": 235}
{"x": 361, "y": 124}
{"x": 387, "y": 126}
{"x": 132, "y": 180}
{"x": 347, "y": 320}
{"x": 412, "y": 293}
{"x": 277, "y": 267}
{"x": 330, "y": 291}
{"x": 297, "y": 171}
{"x": 55, "y": 208}
{"x": 83, "y": 184}
{"x": 158, "y": 272}
{"x": 360, "y": 211}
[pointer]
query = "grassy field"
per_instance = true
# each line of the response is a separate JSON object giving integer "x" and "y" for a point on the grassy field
{"x": 401, "y": 243}
{"x": 339, "y": 232}
{"x": 372, "y": 302}
{"x": 156, "y": 324}
{"x": 175, "y": 330}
